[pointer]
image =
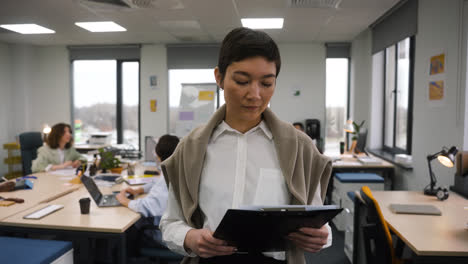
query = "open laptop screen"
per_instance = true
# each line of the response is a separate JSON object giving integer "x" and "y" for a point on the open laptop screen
{"x": 92, "y": 188}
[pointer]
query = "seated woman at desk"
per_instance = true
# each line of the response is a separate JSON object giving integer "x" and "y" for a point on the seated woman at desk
{"x": 59, "y": 152}
{"x": 244, "y": 155}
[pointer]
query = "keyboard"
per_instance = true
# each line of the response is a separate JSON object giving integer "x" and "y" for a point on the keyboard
{"x": 44, "y": 211}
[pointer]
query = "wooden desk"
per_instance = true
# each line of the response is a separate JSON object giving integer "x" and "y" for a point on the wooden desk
{"x": 46, "y": 186}
{"x": 105, "y": 219}
{"x": 426, "y": 235}
{"x": 68, "y": 223}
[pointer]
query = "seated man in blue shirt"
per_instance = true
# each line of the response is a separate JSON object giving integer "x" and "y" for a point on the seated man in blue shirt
{"x": 154, "y": 204}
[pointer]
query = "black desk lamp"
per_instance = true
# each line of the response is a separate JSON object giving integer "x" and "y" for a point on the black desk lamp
{"x": 447, "y": 158}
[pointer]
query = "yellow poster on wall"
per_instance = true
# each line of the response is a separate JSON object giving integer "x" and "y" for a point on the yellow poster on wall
{"x": 153, "y": 105}
{"x": 206, "y": 95}
{"x": 436, "y": 90}
{"x": 437, "y": 64}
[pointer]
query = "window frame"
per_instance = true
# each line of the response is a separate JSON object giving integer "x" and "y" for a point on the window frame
{"x": 409, "y": 133}
{"x": 119, "y": 101}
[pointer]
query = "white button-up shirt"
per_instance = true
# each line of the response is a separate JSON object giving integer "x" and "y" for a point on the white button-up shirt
{"x": 239, "y": 169}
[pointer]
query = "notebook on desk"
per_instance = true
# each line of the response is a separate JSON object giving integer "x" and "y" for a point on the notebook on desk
{"x": 421, "y": 209}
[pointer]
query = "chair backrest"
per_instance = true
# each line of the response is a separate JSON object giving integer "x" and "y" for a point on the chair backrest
{"x": 371, "y": 230}
{"x": 29, "y": 143}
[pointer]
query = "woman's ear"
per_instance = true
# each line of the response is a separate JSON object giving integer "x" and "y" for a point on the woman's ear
{"x": 218, "y": 77}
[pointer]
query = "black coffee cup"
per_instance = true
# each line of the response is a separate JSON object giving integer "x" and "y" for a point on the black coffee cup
{"x": 84, "y": 205}
{"x": 342, "y": 147}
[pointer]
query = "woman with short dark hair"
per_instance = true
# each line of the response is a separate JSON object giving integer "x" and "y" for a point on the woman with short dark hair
{"x": 244, "y": 155}
{"x": 58, "y": 153}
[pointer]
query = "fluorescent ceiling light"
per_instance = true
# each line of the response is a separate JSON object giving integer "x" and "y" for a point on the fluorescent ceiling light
{"x": 104, "y": 26}
{"x": 262, "y": 23}
{"x": 28, "y": 29}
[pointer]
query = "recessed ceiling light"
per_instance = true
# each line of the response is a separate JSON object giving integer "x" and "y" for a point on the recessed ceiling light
{"x": 28, "y": 29}
{"x": 262, "y": 23}
{"x": 103, "y": 26}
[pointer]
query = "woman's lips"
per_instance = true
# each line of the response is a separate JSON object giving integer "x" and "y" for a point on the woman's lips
{"x": 251, "y": 107}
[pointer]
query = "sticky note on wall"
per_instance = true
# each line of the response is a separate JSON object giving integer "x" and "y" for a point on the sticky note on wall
{"x": 153, "y": 105}
{"x": 206, "y": 95}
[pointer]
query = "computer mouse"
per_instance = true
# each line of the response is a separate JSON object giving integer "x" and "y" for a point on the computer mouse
{"x": 130, "y": 196}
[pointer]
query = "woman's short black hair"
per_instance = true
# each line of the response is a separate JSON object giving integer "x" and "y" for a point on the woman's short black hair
{"x": 166, "y": 146}
{"x": 242, "y": 43}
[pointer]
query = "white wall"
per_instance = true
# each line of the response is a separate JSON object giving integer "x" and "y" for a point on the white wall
{"x": 153, "y": 62}
{"x": 433, "y": 126}
{"x": 41, "y": 86}
{"x": 360, "y": 78}
{"x": 5, "y": 96}
{"x": 303, "y": 67}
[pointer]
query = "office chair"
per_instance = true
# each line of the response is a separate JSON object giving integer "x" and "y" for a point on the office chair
{"x": 148, "y": 250}
{"x": 29, "y": 143}
{"x": 372, "y": 234}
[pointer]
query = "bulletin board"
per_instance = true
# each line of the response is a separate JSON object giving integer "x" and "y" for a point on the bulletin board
{"x": 197, "y": 105}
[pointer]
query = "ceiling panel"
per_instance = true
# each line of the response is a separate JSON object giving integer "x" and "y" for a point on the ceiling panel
{"x": 215, "y": 17}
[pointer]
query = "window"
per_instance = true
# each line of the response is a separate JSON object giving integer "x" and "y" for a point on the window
{"x": 106, "y": 99}
{"x": 337, "y": 82}
{"x": 193, "y": 98}
{"x": 397, "y": 122}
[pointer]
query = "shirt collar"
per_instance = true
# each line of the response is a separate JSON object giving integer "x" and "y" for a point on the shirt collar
{"x": 223, "y": 127}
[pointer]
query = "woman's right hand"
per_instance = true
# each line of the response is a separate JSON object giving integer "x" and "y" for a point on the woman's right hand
{"x": 62, "y": 166}
{"x": 135, "y": 192}
{"x": 202, "y": 243}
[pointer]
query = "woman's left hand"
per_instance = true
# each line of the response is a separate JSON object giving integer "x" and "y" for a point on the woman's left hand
{"x": 310, "y": 239}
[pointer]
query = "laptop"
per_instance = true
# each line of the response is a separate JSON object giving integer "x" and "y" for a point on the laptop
{"x": 100, "y": 200}
{"x": 421, "y": 209}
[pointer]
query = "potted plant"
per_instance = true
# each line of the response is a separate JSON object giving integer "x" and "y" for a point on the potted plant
{"x": 108, "y": 161}
{"x": 355, "y": 132}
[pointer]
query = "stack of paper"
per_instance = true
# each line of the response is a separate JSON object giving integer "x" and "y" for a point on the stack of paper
{"x": 368, "y": 160}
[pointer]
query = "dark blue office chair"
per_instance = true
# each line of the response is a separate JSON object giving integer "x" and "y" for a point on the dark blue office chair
{"x": 149, "y": 249}
{"x": 29, "y": 143}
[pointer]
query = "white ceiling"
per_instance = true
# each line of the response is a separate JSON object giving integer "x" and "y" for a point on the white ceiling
{"x": 187, "y": 21}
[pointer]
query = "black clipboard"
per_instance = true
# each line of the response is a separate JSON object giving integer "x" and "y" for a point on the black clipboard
{"x": 265, "y": 230}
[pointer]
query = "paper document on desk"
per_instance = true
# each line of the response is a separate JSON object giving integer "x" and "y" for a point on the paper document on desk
{"x": 69, "y": 171}
{"x": 368, "y": 160}
{"x": 346, "y": 163}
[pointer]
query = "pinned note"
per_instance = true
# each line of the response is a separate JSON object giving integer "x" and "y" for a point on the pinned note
{"x": 206, "y": 95}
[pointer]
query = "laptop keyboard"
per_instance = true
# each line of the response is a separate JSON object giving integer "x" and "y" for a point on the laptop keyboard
{"x": 110, "y": 199}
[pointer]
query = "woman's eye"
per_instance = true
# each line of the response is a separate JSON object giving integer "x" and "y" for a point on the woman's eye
{"x": 242, "y": 82}
{"x": 266, "y": 84}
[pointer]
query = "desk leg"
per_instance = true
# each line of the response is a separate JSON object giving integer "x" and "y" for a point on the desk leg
{"x": 122, "y": 252}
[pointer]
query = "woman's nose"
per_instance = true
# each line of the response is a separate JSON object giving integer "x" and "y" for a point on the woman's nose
{"x": 254, "y": 90}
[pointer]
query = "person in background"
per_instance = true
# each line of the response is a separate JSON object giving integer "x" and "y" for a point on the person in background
{"x": 299, "y": 126}
{"x": 244, "y": 155}
{"x": 58, "y": 153}
{"x": 154, "y": 204}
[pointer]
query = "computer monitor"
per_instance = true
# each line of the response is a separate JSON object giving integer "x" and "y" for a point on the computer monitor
{"x": 361, "y": 141}
{"x": 150, "y": 145}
